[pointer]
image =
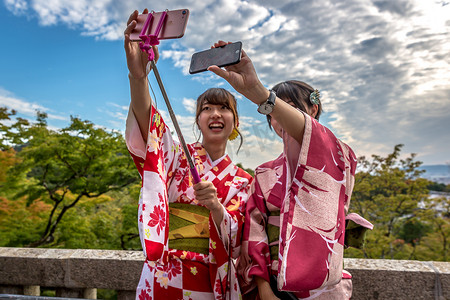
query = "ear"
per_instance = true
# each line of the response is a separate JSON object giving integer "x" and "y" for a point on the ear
{"x": 314, "y": 110}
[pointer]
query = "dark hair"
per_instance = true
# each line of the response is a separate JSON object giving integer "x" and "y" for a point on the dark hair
{"x": 297, "y": 92}
{"x": 219, "y": 96}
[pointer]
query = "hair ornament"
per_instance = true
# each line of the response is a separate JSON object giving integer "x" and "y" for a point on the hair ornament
{"x": 234, "y": 134}
{"x": 315, "y": 97}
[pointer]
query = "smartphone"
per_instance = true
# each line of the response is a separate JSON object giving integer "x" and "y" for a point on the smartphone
{"x": 173, "y": 28}
{"x": 227, "y": 55}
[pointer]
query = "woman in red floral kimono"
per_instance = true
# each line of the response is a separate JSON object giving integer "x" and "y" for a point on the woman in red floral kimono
{"x": 295, "y": 218}
{"x": 188, "y": 231}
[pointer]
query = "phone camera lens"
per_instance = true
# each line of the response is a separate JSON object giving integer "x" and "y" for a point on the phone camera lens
{"x": 184, "y": 12}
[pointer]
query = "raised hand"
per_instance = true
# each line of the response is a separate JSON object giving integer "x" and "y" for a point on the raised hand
{"x": 242, "y": 77}
{"x": 136, "y": 59}
{"x": 206, "y": 194}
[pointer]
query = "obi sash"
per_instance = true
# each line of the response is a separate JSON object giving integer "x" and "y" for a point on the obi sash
{"x": 189, "y": 227}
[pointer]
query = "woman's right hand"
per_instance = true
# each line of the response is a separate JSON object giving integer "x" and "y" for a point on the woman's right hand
{"x": 136, "y": 59}
{"x": 242, "y": 77}
{"x": 264, "y": 290}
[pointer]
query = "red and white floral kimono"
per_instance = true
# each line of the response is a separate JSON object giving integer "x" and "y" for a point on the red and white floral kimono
{"x": 305, "y": 192}
{"x": 179, "y": 273}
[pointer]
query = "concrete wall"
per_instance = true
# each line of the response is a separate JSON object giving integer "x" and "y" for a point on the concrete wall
{"x": 77, "y": 273}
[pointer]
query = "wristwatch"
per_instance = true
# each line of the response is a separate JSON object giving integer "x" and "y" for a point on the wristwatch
{"x": 266, "y": 107}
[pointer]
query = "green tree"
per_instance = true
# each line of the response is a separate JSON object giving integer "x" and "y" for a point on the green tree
{"x": 19, "y": 223}
{"x": 435, "y": 213}
{"x": 129, "y": 233}
{"x": 63, "y": 167}
{"x": 248, "y": 170}
{"x": 388, "y": 191}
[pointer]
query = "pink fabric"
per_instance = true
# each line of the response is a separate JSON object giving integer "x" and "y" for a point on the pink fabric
{"x": 311, "y": 186}
{"x": 359, "y": 220}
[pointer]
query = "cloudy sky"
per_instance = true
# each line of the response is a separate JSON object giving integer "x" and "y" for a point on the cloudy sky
{"x": 382, "y": 66}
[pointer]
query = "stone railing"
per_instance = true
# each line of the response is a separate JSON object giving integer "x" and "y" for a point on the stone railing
{"x": 79, "y": 273}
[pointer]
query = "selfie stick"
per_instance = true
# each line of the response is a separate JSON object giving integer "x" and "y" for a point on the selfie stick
{"x": 175, "y": 124}
{"x": 146, "y": 46}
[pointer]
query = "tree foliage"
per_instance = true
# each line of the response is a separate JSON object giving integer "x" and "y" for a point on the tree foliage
{"x": 65, "y": 167}
{"x": 248, "y": 170}
{"x": 390, "y": 193}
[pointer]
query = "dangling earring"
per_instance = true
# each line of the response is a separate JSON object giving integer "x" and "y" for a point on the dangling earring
{"x": 234, "y": 134}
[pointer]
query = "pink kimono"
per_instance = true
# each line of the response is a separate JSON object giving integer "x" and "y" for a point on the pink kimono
{"x": 182, "y": 273}
{"x": 306, "y": 193}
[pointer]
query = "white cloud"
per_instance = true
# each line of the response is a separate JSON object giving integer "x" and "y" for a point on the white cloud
{"x": 17, "y": 7}
{"x": 186, "y": 123}
{"x": 123, "y": 108}
{"x": 26, "y": 108}
{"x": 190, "y": 105}
{"x": 382, "y": 66}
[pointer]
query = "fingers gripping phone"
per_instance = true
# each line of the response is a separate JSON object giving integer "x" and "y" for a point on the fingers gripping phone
{"x": 173, "y": 28}
{"x": 227, "y": 55}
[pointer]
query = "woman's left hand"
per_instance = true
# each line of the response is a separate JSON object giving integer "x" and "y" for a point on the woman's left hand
{"x": 206, "y": 194}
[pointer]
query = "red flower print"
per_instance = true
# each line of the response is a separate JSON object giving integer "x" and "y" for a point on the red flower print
{"x": 141, "y": 219}
{"x": 218, "y": 289}
{"x": 183, "y": 161}
{"x": 144, "y": 295}
{"x": 158, "y": 219}
{"x": 183, "y": 179}
{"x": 173, "y": 268}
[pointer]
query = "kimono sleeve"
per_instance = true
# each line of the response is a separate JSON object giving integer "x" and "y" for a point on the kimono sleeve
{"x": 135, "y": 143}
{"x": 255, "y": 254}
{"x": 156, "y": 162}
{"x": 313, "y": 212}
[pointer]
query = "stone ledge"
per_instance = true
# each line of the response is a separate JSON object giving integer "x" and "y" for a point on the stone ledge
{"x": 399, "y": 279}
{"x": 120, "y": 270}
{"x": 78, "y": 268}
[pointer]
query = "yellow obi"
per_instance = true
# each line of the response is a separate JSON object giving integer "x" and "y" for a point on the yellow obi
{"x": 189, "y": 227}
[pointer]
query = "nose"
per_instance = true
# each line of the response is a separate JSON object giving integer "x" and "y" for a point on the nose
{"x": 216, "y": 112}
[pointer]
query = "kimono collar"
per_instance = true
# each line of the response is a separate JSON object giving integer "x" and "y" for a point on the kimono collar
{"x": 204, "y": 156}
{"x": 205, "y": 163}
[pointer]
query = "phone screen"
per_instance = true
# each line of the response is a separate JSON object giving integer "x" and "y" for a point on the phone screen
{"x": 223, "y": 56}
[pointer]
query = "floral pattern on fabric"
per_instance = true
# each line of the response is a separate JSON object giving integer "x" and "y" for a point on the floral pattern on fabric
{"x": 158, "y": 219}
{"x": 176, "y": 273}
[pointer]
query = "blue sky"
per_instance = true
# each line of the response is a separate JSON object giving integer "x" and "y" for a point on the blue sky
{"x": 382, "y": 66}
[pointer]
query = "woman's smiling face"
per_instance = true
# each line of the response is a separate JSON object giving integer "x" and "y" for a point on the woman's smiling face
{"x": 216, "y": 122}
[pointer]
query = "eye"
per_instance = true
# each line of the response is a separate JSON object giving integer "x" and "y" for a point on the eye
{"x": 206, "y": 107}
{"x": 224, "y": 107}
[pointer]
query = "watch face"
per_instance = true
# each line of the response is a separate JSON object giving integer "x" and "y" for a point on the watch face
{"x": 265, "y": 109}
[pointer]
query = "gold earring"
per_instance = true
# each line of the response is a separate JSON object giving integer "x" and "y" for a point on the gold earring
{"x": 234, "y": 134}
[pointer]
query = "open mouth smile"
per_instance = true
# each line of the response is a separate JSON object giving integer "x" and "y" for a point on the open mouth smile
{"x": 216, "y": 126}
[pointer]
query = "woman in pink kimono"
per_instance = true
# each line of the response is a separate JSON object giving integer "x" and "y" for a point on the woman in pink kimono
{"x": 295, "y": 218}
{"x": 189, "y": 232}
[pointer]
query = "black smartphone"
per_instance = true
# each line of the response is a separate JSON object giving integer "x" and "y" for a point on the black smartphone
{"x": 227, "y": 55}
